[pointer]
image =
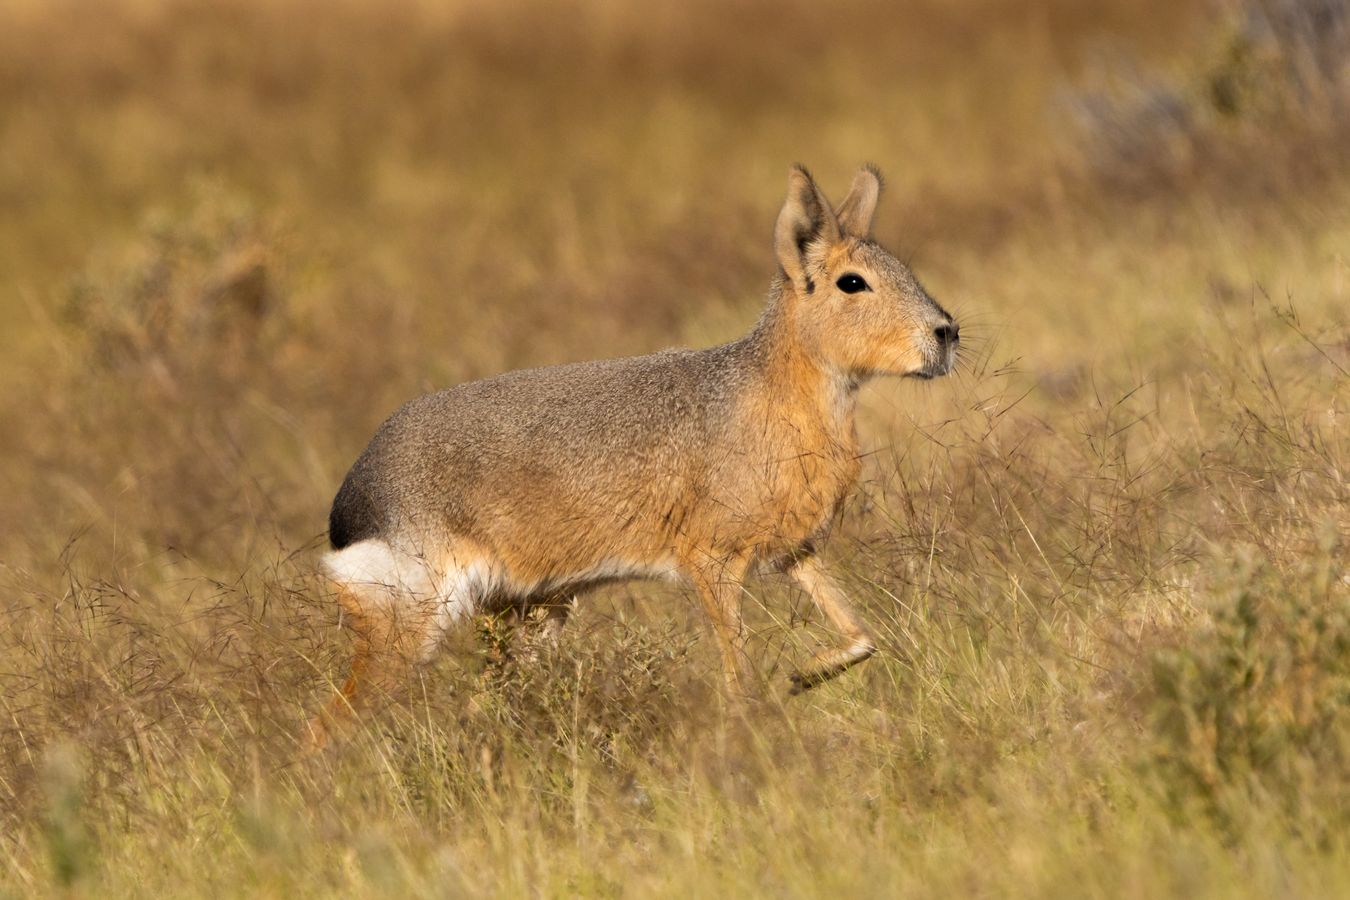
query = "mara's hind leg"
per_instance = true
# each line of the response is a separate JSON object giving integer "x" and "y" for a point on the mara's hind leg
{"x": 811, "y": 575}
{"x": 391, "y": 638}
{"x": 399, "y": 605}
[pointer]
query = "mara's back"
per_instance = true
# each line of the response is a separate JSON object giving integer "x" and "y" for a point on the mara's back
{"x": 571, "y": 455}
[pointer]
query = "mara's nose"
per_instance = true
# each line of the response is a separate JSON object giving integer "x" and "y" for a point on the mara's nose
{"x": 947, "y": 333}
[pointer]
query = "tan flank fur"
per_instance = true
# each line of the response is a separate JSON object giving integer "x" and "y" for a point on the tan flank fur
{"x": 524, "y": 489}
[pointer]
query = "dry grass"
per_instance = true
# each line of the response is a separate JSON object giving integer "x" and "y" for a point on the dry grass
{"x": 1105, "y": 559}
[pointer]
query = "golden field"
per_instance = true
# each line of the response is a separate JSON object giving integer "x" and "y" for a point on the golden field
{"x": 1105, "y": 558}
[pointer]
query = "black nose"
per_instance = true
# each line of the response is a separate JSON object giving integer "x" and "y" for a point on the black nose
{"x": 948, "y": 333}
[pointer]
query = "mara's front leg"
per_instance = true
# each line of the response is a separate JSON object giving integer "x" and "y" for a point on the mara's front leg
{"x": 719, "y": 590}
{"x": 826, "y": 593}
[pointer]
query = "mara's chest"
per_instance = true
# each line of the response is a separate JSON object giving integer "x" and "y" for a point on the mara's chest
{"x": 783, "y": 488}
{"x": 812, "y": 479}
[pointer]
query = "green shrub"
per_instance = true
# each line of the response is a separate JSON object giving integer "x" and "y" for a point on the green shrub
{"x": 1252, "y": 714}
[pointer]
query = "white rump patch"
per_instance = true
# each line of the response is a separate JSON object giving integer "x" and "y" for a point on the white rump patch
{"x": 375, "y": 564}
{"x": 380, "y": 573}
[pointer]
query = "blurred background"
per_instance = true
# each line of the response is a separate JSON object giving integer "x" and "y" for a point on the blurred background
{"x": 235, "y": 235}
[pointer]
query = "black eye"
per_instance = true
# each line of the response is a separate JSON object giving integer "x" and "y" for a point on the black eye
{"x": 851, "y": 284}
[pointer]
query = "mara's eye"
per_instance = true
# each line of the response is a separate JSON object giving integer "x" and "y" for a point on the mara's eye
{"x": 851, "y": 284}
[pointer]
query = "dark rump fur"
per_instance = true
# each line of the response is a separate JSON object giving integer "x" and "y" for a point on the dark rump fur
{"x": 354, "y": 516}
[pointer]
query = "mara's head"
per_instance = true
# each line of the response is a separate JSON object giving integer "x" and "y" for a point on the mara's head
{"x": 853, "y": 305}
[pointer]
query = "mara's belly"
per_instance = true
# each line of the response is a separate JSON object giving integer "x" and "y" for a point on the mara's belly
{"x": 568, "y": 535}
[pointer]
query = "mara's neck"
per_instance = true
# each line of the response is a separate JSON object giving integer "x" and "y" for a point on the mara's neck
{"x": 792, "y": 372}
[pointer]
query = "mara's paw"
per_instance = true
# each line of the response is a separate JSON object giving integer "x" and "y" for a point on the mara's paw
{"x": 828, "y": 664}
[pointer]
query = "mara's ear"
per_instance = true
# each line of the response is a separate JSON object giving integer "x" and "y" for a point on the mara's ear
{"x": 806, "y": 219}
{"x": 858, "y": 208}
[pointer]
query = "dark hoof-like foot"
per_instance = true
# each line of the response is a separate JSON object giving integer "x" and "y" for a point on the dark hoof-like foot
{"x": 828, "y": 664}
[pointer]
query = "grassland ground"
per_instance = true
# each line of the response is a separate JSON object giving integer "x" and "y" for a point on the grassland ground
{"x": 1104, "y": 559}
